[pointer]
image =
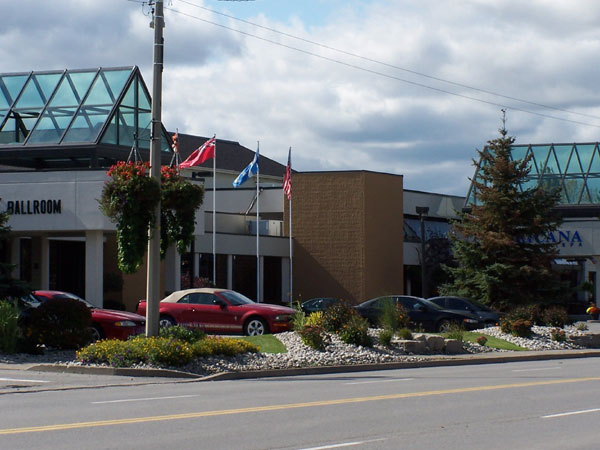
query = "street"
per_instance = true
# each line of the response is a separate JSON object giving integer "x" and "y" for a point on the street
{"x": 522, "y": 405}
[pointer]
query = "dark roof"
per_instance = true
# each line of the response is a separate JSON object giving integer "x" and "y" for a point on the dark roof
{"x": 230, "y": 155}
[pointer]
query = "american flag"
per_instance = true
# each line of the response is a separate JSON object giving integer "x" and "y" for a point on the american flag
{"x": 287, "y": 180}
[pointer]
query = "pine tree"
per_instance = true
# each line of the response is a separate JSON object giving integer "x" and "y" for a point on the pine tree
{"x": 499, "y": 260}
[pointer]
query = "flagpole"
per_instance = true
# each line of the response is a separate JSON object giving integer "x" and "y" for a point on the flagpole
{"x": 257, "y": 223}
{"x": 214, "y": 240}
{"x": 291, "y": 255}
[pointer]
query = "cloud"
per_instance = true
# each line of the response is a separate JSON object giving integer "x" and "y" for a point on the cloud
{"x": 351, "y": 114}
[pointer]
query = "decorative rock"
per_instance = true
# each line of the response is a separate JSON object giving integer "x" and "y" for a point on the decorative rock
{"x": 453, "y": 346}
{"x": 435, "y": 343}
{"x": 412, "y": 346}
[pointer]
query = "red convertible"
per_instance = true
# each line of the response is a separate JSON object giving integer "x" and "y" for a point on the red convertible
{"x": 221, "y": 311}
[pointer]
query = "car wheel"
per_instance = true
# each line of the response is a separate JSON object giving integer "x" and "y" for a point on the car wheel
{"x": 96, "y": 333}
{"x": 489, "y": 324}
{"x": 444, "y": 325}
{"x": 255, "y": 326}
{"x": 166, "y": 322}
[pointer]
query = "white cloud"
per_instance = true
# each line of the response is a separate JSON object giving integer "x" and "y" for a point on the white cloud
{"x": 335, "y": 116}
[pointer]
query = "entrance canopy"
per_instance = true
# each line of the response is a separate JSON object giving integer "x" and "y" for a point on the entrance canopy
{"x": 74, "y": 118}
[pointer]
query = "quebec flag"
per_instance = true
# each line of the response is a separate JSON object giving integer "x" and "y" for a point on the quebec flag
{"x": 251, "y": 169}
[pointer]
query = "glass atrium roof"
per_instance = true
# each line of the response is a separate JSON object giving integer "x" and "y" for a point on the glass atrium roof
{"x": 48, "y": 117}
{"x": 574, "y": 168}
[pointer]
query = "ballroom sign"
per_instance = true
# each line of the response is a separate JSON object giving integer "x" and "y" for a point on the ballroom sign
{"x": 27, "y": 207}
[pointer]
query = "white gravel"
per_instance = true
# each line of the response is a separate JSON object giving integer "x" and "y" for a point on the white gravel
{"x": 336, "y": 353}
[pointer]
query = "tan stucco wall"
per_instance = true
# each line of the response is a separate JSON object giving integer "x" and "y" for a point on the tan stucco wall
{"x": 347, "y": 229}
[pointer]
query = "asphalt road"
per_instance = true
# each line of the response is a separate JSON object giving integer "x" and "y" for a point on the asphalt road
{"x": 523, "y": 405}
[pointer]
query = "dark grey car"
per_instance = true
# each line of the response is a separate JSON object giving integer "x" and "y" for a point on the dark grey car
{"x": 488, "y": 316}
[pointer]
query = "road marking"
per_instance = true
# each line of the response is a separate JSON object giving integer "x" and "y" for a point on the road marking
{"x": 269, "y": 408}
{"x": 146, "y": 399}
{"x": 572, "y": 413}
{"x": 24, "y": 381}
{"x": 539, "y": 368}
{"x": 343, "y": 444}
{"x": 380, "y": 381}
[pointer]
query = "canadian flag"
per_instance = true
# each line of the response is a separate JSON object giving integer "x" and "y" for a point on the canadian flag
{"x": 201, "y": 154}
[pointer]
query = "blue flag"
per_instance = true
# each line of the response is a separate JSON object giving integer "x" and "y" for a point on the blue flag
{"x": 251, "y": 169}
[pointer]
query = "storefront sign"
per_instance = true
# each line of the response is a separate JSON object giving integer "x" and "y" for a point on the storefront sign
{"x": 562, "y": 238}
{"x": 14, "y": 207}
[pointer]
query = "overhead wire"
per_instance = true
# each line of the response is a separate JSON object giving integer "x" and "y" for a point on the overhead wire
{"x": 366, "y": 58}
{"x": 403, "y": 80}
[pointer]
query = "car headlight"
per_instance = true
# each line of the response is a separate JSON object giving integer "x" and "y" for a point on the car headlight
{"x": 125, "y": 323}
{"x": 470, "y": 321}
{"x": 282, "y": 318}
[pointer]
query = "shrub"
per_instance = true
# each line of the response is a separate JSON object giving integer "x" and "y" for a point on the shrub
{"x": 555, "y": 316}
{"x": 393, "y": 316}
{"x": 315, "y": 319}
{"x": 298, "y": 318}
{"x": 160, "y": 351}
{"x": 314, "y": 336}
{"x": 337, "y": 316}
{"x": 521, "y": 328}
{"x": 405, "y": 333}
{"x": 355, "y": 331}
{"x": 455, "y": 332}
{"x": 582, "y": 326}
{"x": 182, "y": 333}
{"x": 59, "y": 323}
{"x": 9, "y": 328}
{"x": 481, "y": 340}
{"x": 558, "y": 335}
{"x": 385, "y": 337}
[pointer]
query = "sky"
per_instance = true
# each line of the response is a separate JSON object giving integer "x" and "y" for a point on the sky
{"x": 413, "y": 88}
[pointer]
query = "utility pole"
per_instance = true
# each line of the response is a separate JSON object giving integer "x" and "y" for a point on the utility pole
{"x": 153, "y": 274}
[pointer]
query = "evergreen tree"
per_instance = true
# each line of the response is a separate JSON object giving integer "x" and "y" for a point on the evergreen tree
{"x": 499, "y": 260}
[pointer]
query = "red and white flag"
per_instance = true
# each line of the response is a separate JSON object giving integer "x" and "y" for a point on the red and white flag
{"x": 287, "y": 179}
{"x": 175, "y": 143}
{"x": 201, "y": 154}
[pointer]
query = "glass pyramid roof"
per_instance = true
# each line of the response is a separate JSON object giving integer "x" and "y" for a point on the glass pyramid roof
{"x": 574, "y": 168}
{"x": 104, "y": 107}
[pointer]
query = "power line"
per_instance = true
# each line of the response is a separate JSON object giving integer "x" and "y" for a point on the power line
{"x": 374, "y": 72}
{"x": 365, "y": 58}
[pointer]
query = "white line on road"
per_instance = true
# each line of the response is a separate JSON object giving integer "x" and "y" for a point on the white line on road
{"x": 23, "y": 381}
{"x": 147, "y": 399}
{"x": 572, "y": 413}
{"x": 343, "y": 444}
{"x": 539, "y": 368}
{"x": 380, "y": 381}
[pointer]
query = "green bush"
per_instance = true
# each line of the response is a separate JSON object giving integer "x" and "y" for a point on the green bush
{"x": 393, "y": 316}
{"x": 315, "y": 319}
{"x": 355, "y": 331}
{"x": 455, "y": 332}
{"x": 298, "y": 318}
{"x": 558, "y": 335}
{"x": 385, "y": 337}
{"x": 9, "y": 327}
{"x": 521, "y": 328}
{"x": 337, "y": 316}
{"x": 314, "y": 336}
{"x": 59, "y": 323}
{"x": 555, "y": 316}
{"x": 160, "y": 351}
{"x": 405, "y": 333}
{"x": 182, "y": 333}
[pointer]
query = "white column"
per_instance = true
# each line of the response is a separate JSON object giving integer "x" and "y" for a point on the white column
{"x": 44, "y": 263}
{"x": 15, "y": 257}
{"x": 94, "y": 267}
{"x": 229, "y": 271}
{"x": 172, "y": 269}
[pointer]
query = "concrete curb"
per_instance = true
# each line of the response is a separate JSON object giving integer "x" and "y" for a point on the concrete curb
{"x": 426, "y": 361}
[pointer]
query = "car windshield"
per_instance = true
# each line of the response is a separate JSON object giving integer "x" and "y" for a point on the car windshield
{"x": 235, "y": 298}
{"x": 31, "y": 300}
{"x": 430, "y": 304}
{"x": 66, "y": 295}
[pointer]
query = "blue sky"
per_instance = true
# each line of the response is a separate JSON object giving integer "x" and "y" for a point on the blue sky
{"x": 399, "y": 86}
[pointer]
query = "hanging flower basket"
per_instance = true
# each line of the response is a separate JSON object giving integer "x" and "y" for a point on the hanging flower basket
{"x": 128, "y": 199}
{"x": 179, "y": 201}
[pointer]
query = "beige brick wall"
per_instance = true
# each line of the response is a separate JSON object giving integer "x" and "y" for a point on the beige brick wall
{"x": 347, "y": 229}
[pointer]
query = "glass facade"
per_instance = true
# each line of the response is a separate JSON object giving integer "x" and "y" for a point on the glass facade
{"x": 108, "y": 106}
{"x": 573, "y": 168}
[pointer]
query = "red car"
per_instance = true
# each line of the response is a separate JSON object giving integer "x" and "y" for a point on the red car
{"x": 107, "y": 323}
{"x": 221, "y": 311}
